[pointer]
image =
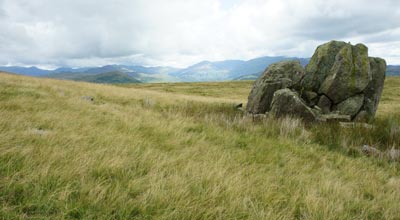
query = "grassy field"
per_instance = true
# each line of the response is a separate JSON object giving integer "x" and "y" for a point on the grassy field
{"x": 182, "y": 151}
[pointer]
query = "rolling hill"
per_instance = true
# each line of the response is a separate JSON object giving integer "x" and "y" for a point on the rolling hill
{"x": 102, "y": 77}
{"x": 393, "y": 70}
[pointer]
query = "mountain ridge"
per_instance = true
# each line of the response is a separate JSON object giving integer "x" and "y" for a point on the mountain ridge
{"x": 199, "y": 72}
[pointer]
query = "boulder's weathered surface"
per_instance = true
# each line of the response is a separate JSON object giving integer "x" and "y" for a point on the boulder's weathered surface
{"x": 374, "y": 89}
{"x": 320, "y": 65}
{"x": 311, "y": 98}
{"x": 349, "y": 75}
{"x": 277, "y": 76}
{"x": 340, "y": 83}
{"x": 351, "y": 106}
{"x": 324, "y": 104}
{"x": 288, "y": 103}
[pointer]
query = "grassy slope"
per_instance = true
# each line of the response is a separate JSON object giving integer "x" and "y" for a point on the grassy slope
{"x": 107, "y": 77}
{"x": 168, "y": 151}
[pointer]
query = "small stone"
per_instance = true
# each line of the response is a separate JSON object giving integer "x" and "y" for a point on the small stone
{"x": 39, "y": 131}
{"x": 334, "y": 117}
{"x": 257, "y": 117}
{"x": 317, "y": 108}
{"x": 354, "y": 125}
{"x": 394, "y": 154}
{"x": 240, "y": 105}
{"x": 371, "y": 151}
{"x": 87, "y": 98}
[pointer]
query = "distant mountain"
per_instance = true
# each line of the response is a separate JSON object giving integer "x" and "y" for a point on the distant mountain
{"x": 229, "y": 69}
{"x": 203, "y": 71}
{"x": 258, "y": 65}
{"x": 208, "y": 71}
{"x": 140, "y": 73}
{"x": 106, "y": 77}
{"x": 29, "y": 71}
{"x": 150, "y": 70}
{"x": 249, "y": 77}
{"x": 393, "y": 70}
{"x": 70, "y": 70}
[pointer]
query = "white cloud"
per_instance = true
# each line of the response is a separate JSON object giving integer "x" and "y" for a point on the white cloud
{"x": 182, "y": 32}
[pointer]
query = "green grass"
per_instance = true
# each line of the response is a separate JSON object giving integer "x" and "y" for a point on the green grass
{"x": 107, "y": 77}
{"x": 231, "y": 90}
{"x": 179, "y": 151}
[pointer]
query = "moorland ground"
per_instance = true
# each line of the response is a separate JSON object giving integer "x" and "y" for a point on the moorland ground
{"x": 182, "y": 151}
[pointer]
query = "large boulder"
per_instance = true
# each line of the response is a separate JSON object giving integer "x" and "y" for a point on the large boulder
{"x": 277, "y": 76}
{"x": 321, "y": 64}
{"x": 288, "y": 103}
{"x": 375, "y": 87}
{"x": 341, "y": 83}
{"x": 349, "y": 75}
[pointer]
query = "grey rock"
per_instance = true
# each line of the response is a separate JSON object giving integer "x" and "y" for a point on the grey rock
{"x": 349, "y": 75}
{"x": 317, "y": 111}
{"x": 39, "y": 131}
{"x": 317, "y": 108}
{"x": 351, "y": 106}
{"x": 256, "y": 117}
{"x": 355, "y": 125}
{"x": 239, "y": 105}
{"x": 277, "y": 76}
{"x": 288, "y": 103}
{"x": 320, "y": 65}
{"x": 374, "y": 89}
{"x": 340, "y": 83}
{"x": 325, "y": 104}
{"x": 371, "y": 151}
{"x": 310, "y": 97}
{"x": 394, "y": 154}
{"x": 334, "y": 117}
{"x": 362, "y": 116}
{"x": 87, "y": 98}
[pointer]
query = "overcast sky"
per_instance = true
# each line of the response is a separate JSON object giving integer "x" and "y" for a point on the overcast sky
{"x": 51, "y": 33}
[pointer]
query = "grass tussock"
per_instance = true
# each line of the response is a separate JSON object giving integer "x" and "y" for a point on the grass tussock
{"x": 142, "y": 153}
{"x": 384, "y": 134}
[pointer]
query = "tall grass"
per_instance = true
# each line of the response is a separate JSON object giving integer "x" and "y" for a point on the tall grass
{"x": 384, "y": 134}
{"x": 144, "y": 154}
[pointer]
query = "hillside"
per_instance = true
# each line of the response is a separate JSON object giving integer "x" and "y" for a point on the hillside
{"x": 106, "y": 77}
{"x": 393, "y": 70}
{"x": 182, "y": 151}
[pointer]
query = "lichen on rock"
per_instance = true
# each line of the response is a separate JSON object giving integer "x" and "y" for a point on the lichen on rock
{"x": 277, "y": 76}
{"x": 339, "y": 79}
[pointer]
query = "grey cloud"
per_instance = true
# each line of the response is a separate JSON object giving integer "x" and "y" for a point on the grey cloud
{"x": 180, "y": 32}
